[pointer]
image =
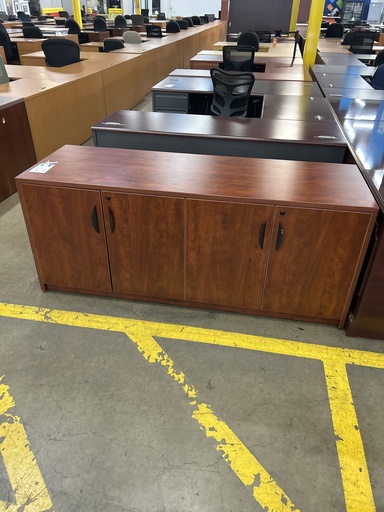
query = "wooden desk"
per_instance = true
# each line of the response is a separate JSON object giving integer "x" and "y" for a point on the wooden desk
{"x": 14, "y": 135}
{"x": 190, "y": 210}
{"x": 212, "y": 135}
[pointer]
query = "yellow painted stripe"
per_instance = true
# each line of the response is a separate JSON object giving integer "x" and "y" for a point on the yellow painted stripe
{"x": 197, "y": 335}
{"x": 265, "y": 489}
{"x": 27, "y": 483}
{"x": 354, "y": 471}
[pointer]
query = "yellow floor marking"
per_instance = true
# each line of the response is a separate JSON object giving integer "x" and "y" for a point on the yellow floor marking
{"x": 350, "y": 448}
{"x": 356, "y": 483}
{"x": 26, "y": 481}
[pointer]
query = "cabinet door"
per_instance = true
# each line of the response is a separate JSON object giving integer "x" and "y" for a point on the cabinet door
{"x": 227, "y": 245}
{"x": 146, "y": 244}
{"x": 67, "y": 237}
{"x": 313, "y": 259}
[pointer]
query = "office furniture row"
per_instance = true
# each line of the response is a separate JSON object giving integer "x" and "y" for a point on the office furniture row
{"x": 272, "y": 237}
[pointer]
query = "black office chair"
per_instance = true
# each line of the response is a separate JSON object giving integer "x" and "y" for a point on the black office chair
{"x": 10, "y": 49}
{"x": 153, "y": 31}
{"x": 362, "y": 42}
{"x": 182, "y": 24}
{"x": 196, "y": 20}
{"x": 110, "y": 44}
{"x": 137, "y": 19}
{"x": 145, "y": 12}
{"x": 74, "y": 28}
{"x": 231, "y": 92}
{"x": 60, "y": 52}
{"x": 379, "y": 59}
{"x": 32, "y": 33}
{"x": 99, "y": 24}
{"x": 64, "y": 14}
{"x": 248, "y": 38}
{"x": 120, "y": 21}
{"x": 172, "y": 27}
{"x": 189, "y": 21}
{"x": 265, "y": 36}
{"x": 334, "y": 30}
{"x": 161, "y": 16}
{"x": 348, "y": 38}
{"x": 377, "y": 80}
{"x": 238, "y": 58}
{"x": 23, "y": 16}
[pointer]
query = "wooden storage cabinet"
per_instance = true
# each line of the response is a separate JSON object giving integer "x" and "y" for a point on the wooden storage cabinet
{"x": 271, "y": 237}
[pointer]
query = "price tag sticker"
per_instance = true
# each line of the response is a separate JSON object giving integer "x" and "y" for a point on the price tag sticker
{"x": 43, "y": 167}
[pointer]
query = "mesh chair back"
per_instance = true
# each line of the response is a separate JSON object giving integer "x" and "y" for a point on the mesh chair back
{"x": 111, "y": 44}
{"x": 348, "y": 38}
{"x": 72, "y": 26}
{"x": 231, "y": 93}
{"x": 120, "y": 21}
{"x": 248, "y": 38}
{"x": 334, "y": 30}
{"x": 23, "y": 16}
{"x": 238, "y": 58}
{"x": 144, "y": 12}
{"x": 265, "y": 36}
{"x": 172, "y": 27}
{"x": 32, "y": 33}
{"x": 377, "y": 80}
{"x": 379, "y": 59}
{"x": 137, "y": 19}
{"x": 132, "y": 37}
{"x": 100, "y": 25}
{"x": 161, "y": 16}
{"x": 153, "y": 31}
{"x": 362, "y": 42}
{"x": 183, "y": 24}
{"x": 60, "y": 52}
{"x": 196, "y": 20}
{"x": 64, "y": 14}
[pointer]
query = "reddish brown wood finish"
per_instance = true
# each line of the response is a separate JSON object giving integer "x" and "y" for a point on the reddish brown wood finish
{"x": 225, "y": 261}
{"x": 145, "y": 237}
{"x": 68, "y": 250}
{"x": 17, "y": 151}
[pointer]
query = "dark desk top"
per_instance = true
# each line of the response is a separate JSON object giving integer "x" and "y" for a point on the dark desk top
{"x": 216, "y": 127}
{"x": 304, "y": 108}
{"x": 333, "y": 80}
{"x": 346, "y": 92}
{"x": 342, "y": 69}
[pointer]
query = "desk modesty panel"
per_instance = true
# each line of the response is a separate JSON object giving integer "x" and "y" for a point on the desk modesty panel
{"x": 198, "y": 230}
{"x": 216, "y": 135}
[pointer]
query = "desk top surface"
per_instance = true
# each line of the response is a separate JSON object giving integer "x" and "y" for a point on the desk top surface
{"x": 338, "y": 186}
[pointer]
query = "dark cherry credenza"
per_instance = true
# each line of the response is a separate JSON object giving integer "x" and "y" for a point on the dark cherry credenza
{"x": 269, "y": 237}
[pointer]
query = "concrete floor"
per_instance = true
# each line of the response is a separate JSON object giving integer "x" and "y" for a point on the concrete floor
{"x": 96, "y": 418}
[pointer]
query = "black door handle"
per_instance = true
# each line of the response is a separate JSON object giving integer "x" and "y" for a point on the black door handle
{"x": 111, "y": 221}
{"x": 95, "y": 220}
{"x": 280, "y": 234}
{"x": 262, "y": 235}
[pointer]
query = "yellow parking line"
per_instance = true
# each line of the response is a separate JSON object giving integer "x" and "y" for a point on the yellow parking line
{"x": 354, "y": 471}
{"x": 27, "y": 483}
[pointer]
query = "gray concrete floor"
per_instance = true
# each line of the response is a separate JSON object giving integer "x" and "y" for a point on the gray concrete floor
{"x": 111, "y": 432}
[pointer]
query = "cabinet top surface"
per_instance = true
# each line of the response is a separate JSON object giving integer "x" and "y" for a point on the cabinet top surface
{"x": 223, "y": 178}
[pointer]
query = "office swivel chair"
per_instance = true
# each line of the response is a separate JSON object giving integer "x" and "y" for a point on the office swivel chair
{"x": 248, "y": 38}
{"x": 172, "y": 27}
{"x": 183, "y": 24}
{"x": 348, "y": 38}
{"x": 110, "y": 44}
{"x": 10, "y": 49}
{"x": 145, "y": 12}
{"x": 23, "y": 16}
{"x": 334, "y": 30}
{"x": 153, "y": 31}
{"x": 362, "y": 42}
{"x": 32, "y": 33}
{"x": 189, "y": 21}
{"x": 196, "y": 20}
{"x": 60, "y": 52}
{"x": 74, "y": 28}
{"x": 138, "y": 20}
{"x": 238, "y": 58}
{"x": 379, "y": 59}
{"x": 99, "y": 24}
{"x": 377, "y": 80}
{"x": 120, "y": 21}
{"x": 132, "y": 37}
{"x": 161, "y": 16}
{"x": 64, "y": 14}
{"x": 231, "y": 93}
{"x": 265, "y": 36}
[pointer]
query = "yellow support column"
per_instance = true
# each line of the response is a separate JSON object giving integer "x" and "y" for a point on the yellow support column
{"x": 77, "y": 12}
{"x": 137, "y": 7}
{"x": 294, "y": 15}
{"x": 313, "y": 32}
